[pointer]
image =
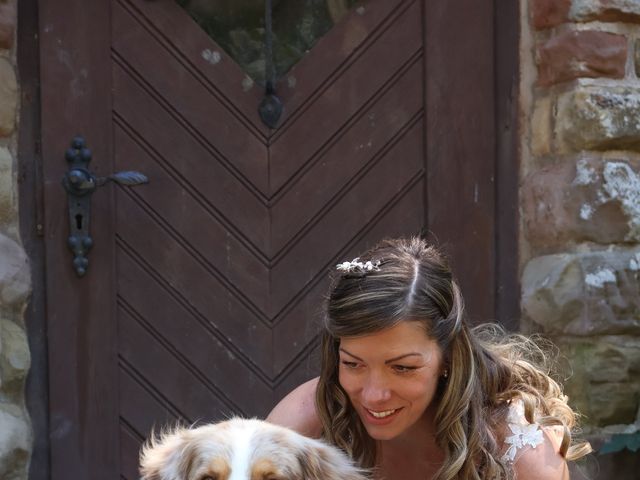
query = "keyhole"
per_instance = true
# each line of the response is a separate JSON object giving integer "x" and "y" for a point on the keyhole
{"x": 79, "y": 221}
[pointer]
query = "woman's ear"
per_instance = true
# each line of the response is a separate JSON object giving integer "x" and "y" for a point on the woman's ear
{"x": 321, "y": 462}
{"x": 168, "y": 456}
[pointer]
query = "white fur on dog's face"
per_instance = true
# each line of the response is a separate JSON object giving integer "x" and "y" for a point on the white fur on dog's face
{"x": 241, "y": 449}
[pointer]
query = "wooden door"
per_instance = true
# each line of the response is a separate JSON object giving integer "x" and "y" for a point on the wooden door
{"x": 205, "y": 287}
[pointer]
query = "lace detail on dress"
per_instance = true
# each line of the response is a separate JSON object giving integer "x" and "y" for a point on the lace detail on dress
{"x": 523, "y": 432}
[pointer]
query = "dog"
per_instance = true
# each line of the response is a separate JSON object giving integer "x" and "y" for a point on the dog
{"x": 243, "y": 449}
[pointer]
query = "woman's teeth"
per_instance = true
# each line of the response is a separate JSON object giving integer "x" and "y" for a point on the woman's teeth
{"x": 386, "y": 413}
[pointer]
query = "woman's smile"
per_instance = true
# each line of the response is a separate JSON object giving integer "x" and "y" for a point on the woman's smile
{"x": 384, "y": 414}
{"x": 380, "y": 418}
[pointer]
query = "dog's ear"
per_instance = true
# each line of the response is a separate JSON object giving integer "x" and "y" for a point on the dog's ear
{"x": 168, "y": 456}
{"x": 322, "y": 462}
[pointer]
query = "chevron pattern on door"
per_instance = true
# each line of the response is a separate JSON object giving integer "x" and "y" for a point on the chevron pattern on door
{"x": 223, "y": 260}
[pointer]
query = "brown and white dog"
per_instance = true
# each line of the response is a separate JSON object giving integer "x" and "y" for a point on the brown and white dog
{"x": 242, "y": 449}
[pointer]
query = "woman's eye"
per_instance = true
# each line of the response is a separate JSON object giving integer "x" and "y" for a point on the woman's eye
{"x": 403, "y": 368}
{"x": 348, "y": 364}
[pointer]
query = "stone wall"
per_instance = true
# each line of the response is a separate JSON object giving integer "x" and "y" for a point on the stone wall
{"x": 580, "y": 201}
{"x": 15, "y": 430}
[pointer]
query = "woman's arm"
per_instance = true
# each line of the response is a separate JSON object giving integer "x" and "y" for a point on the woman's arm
{"x": 542, "y": 462}
{"x": 297, "y": 411}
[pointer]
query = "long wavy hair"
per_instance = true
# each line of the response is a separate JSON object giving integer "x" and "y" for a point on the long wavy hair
{"x": 487, "y": 368}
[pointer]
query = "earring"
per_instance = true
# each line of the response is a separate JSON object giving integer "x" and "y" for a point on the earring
{"x": 446, "y": 374}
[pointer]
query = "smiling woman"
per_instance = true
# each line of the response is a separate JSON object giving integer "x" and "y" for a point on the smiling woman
{"x": 406, "y": 387}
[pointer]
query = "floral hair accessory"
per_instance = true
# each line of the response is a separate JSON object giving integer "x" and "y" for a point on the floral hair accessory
{"x": 356, "y": 266}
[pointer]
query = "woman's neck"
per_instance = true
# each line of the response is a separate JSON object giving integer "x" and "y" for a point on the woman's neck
{"x": 414, "y": 455}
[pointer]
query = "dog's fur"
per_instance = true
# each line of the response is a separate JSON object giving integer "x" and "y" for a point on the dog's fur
{"x": 242, "y": 449}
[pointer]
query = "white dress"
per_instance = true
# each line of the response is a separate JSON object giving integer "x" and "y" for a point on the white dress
{"x": 523, "y": 433}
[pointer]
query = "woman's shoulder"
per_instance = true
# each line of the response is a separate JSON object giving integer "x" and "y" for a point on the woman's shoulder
{"x": 298, "y": 411}
{"x": 531, "y": 449}
{"x": 542, "y": 462}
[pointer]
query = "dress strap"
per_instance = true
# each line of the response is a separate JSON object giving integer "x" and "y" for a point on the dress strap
{"x": 523, "y": 433}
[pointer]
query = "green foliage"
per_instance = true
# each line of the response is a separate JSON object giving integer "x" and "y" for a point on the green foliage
{"x": 621, "y": 441}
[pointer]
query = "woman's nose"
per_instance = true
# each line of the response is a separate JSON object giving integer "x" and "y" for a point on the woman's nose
{"x": 376, "y": 390}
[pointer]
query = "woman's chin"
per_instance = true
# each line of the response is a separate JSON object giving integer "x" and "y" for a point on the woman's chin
{"x": 380, "y": 435}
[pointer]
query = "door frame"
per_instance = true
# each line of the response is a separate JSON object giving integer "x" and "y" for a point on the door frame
{"x": 30, "y": 217}
{"x": 500, "y": 140}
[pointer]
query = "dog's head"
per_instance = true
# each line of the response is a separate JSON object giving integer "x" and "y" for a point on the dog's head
{"x": 240, "y": 449}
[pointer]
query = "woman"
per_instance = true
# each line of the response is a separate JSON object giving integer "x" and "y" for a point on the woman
{"x": 408, "y": 389}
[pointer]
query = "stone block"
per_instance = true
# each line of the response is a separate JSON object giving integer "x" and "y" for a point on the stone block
{"x": 7, "y": 23}
{"x": 574, "y": 54}
{"x": 583, "y": 294}
{"x": 541, "y": 127}
{"x": 598, "y": 118}
{"x": 8, "y": 98}
{"x": 7, "y": 181}
{"x": 549, "y": 13}
{"x": 586, "y": 199}
{"x": 15, "y": 443}
{"x": 14, "y": 272}
{"x": 603, "y": 381}
{"x": 15, "y": 359}
{"x": 605, "y": 11}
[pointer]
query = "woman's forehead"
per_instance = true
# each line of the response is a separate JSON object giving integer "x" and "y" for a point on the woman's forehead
{"x": 405, "y": 337}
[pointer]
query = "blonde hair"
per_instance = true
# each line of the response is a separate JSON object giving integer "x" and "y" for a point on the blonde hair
{"x": 487, "y": 368}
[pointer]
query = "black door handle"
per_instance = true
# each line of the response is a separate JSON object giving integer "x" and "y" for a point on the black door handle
{"x": 80, "y": 184}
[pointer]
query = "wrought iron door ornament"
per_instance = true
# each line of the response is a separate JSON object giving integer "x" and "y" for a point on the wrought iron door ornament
{"x": 271, "y": 107}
